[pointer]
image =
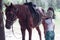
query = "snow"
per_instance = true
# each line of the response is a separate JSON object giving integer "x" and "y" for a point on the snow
{"x": 18, "y": 36}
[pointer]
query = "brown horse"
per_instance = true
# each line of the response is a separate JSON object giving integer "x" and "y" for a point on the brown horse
{"x": 24, "y": 15}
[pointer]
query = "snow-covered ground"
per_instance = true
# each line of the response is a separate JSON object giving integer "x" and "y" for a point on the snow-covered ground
{"x": 17, "y": 33}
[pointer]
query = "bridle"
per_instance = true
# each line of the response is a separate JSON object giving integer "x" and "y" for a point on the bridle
{"x": 12, "y": 27}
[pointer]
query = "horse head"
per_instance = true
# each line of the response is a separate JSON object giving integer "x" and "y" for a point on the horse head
{"x": 10, "y": 15}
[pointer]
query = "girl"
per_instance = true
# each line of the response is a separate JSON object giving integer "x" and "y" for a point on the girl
{"x": 49, "y": 24}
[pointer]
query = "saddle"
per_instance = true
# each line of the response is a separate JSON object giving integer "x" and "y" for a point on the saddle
{"x": 34, "y": 13}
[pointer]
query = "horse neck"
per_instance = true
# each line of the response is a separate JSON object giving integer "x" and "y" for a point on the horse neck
{"x": 21, "y": 10}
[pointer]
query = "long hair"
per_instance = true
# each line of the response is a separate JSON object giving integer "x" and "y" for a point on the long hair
{"x": 50, "y": 8}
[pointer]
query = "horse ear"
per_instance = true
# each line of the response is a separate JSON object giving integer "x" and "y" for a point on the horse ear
{"x": 5, "y": 5}
{"x": 11, "y": 4}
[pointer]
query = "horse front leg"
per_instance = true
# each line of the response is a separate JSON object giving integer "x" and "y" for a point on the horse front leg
{"x": 30, "y": 33}
{"x": 23, "y": 33}
{"x": 39, "y": 32}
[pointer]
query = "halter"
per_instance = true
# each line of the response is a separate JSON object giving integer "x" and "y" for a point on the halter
{"x": 12, "y": 25}
{"x": 12, "y": 28}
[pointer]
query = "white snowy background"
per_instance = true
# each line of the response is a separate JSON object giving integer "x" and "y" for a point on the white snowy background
{"x": 17, "y": 32}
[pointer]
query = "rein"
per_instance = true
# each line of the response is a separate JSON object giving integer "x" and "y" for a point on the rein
{"x": 14, "y": 33}
{"x": 12, "y": 29}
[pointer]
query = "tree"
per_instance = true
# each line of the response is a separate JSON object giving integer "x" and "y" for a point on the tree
{"x": 51, "y": 3}
{"x": 2, "y": 35}
{"x": 58, "y": 3}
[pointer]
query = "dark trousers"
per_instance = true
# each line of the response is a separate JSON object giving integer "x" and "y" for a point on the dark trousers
{"x": 49, "y": 35}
